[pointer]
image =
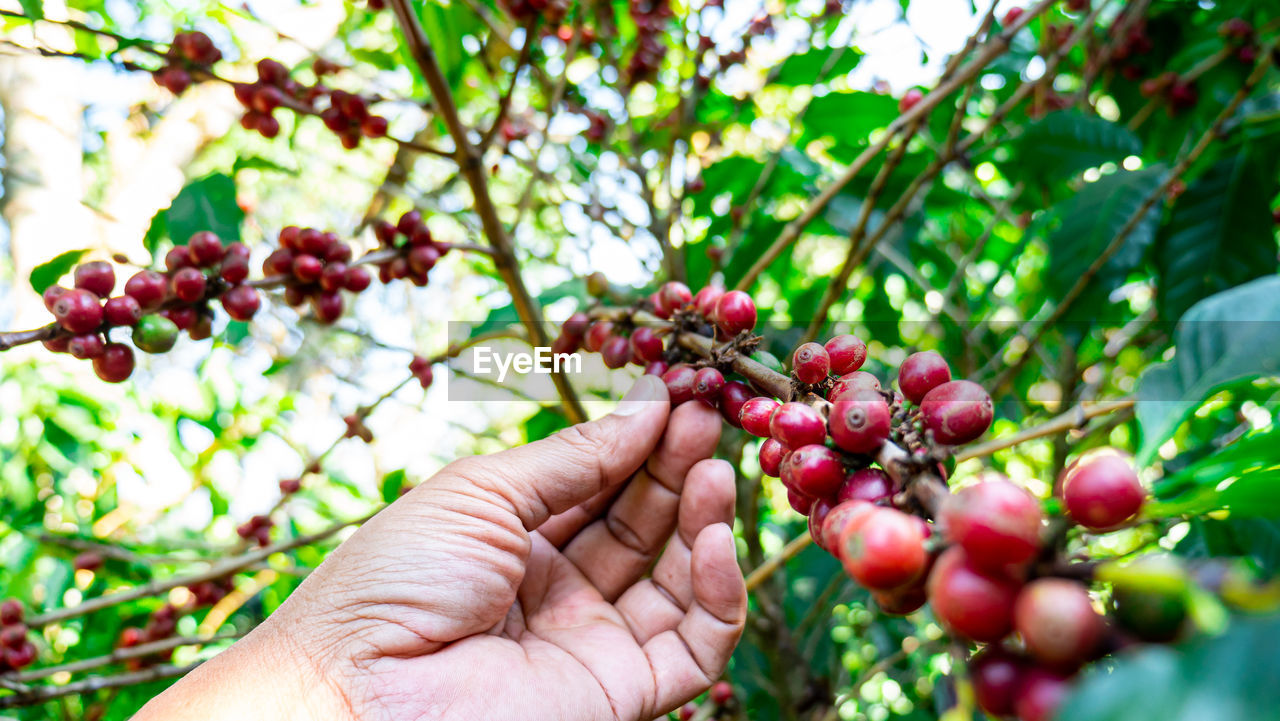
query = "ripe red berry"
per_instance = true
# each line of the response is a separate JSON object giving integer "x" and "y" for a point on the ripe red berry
{"x": 970, "y": 602}
{"x": 279, "y": 262}
{"x": 920, "y": 373}
{"x": 79, "y": 311}
{"x": 272, "y": 72}
{"x": 772, "y": 454}
{"x": 357, "y": 279}
{"x": 409, "y": 222}
{"x": 97, "y": 277}
{"x": 957, "y": 412}
{"x": 122, "y": 311}
{"x": 564, "y": 344}
{"x": 910, "y": 99}
{"x": 327, "y": 306}
{"x": 756, "y": 414}
{"x": 1101, "y": 490}
{"x": 847, "y": 353}
{"x": 334, "y": 276}
{"x": 234, "y": 270}
{"x": 841, "y": 522}
{"x": 56, "y": 345}
{"x": 887, "y": 551}
{"x": 687, "y": 711}
{"x": 176, "y": 258}
{"x": 646, "y": 343}
{"x": 241, "y": 302}
{"x": 86, "y": 346}
{"x": 901, "y": 601}
{"x": 20, "y": 657}
{"x": 996, "y": 677}
{"x": 597, "y": 334}
{"x": 867, "y": 484}
{"x": 721, "y": 693}
{"x": 707, "y": 385}
{"x": 1012, "y": 16}
{"x": 852, "y": 382}
{"x": 307, "y": 268}
{"x": 51, "y": 296}
{"x": 88, "y": 561}
{"x": 616, "y": 351}
{"x": 576, "y": 325}
{"x": 205, "y": 249}
{"x": 115, "y": 364}
{"x": 705, "y": 300}
{"x": 183, "y": 318}
{"x": 679, "y": 380}
{"x": 13, "y": 636}
{"x": 422, "y": 258}
{"x": 290, "y": 485}
{"x": 732, "y": 398}
{"x": 338, "y": 252}
{"x": 860, "y": 422}
{"x": 818, "y": 513}
{"x": 1057, "y": 621}
{"x": 796, "y": 425}
{"x": 815, "y": 470}
{"x": 11, "y": 612}
{"x": 675, "y": 295}
{"x": 374, "y": 126}
{"x": 147, "y": 287}
{"x": 997, "y": 523}
{"x": 188, "y": 284}
{"x": 656, "y": 368}
{"x": 1040, "y": 694}
{"x": 810, "y": 363}
{"x": 735, "y": 312}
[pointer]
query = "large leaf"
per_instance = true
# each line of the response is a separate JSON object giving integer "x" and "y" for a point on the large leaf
{"x": 816, "y": 65}
{"x": 1224, "y": 339}
{"x": 1257, "y": 539}
{"x": 46, "y": 274}
{"x": 1064, "y": 143}
{"x": 1220, "y": 233}
{"x": 1231, "y": 677}
{"x": 1091, "y": 220}
{"x": 33, "y": 8}
{"x": 849, "y": 117}
{"x": 208, "y": 203}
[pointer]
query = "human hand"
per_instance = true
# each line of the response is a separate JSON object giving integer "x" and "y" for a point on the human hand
{"x": 517, "y": 585}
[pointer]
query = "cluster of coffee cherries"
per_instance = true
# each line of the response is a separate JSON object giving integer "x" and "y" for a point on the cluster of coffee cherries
{"x": 347, "y": 115}
{"x": 163, "y": 622}
{"x": 525, "y": 10}
{"x": 418, "y": 251}
{"x": 1177, "y": 93}
{"x": 1241, "y": 35}
{"x": 16, "y": 650}
{"x": 318, "y": 267}
{"x": 257, "y": 528}
{"x": 189, "y": 51}
{"x": 651, "y": 18}
{"x": 157, "y": 306}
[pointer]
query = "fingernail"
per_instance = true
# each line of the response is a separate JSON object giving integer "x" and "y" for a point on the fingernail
{"x": 644, "y": 391}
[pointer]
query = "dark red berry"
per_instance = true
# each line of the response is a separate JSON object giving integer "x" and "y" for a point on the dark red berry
{"x": 1011, "y": 17}
{"x": 188, "y": 284}
{"x": 646, "y": 343}
{"x": 21, "y": 657}
{"x": 867, "y": 484}
{"x": 721, "y": 693}
{"x": 183, "y": 318}
{"x": 995, "y": 521}
{"x": 409, "y": 222}
{"x": 97, "y": 277}
{"x": 920, "y": 373}
{"x": 338, "y": 253}
{"x": 1101, "y": 490}
{"x": 289, "y": 237}
{"x": 234, "y": 270}
{"x": 79, "y": 311}
{"x": 241, "y": 302}
{"x": 887, "y": 551}
{"x": 735, "y": 312}
{"x": 687, "y": 711}
{"x": 675, "y": 295}
{"x": 290, "y": 485}
{"x": 705, "y": 301}
{"x": 1057, "y": 622}
{"x": 176, "y": 258}
{"x": 969, "y": 601}
{"x": 732, "y": 399}
{"x": 679, "y": 380}
{"x": 1040, "y": 694}
{"x": 115, "y": 364}
{"x": 312, "y": 242}
{"x": 847, "y": 353}
{"x": 205, "y": 249}
{"x": 422, "y": 258}
{"x": 279, "y": 262}
{"x": 88, "y": 561}
{"x": 756, "y": 415}
{"x": 51, "y": 296}
{"x": 576, "y": 325}
{"x": 842, "y": 522}
{"x": 860, "y": 422}
{"x": 616, "y": 351}
{"x": 307, "y": 268}
{"x": 272, "y": 72}
{"x": 564, "y": 344}
{"x": 772, "y": 453}
{"x": 656, "y": 368}
{"x": 147, "y": 287}
{"x": 334, "y": 276}
{"x": 851, "y": 383}
{"x": 996, "y": 676}
{"x": 327, "y": 306}
{"x": 84, "y": 347}
{"x": 122, "y": 311}
{"x": 957, "y": 412}
{"x": 707, "y": 385}
{"x": 818, "y": 513}
{"x": 796, "y": 425}
{"x": 58, "y": 344}
{"x": 597, "y": 334}
{"x": 901, "y": 601}
{"x": 810, "y": 363}
{"x": 815, "y": 470}
{"x": 910, "y": 99}
{"x": 357, "y": 279}
{"x": 11, "y": 612}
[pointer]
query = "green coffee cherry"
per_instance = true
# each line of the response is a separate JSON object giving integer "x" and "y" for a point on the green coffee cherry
{"x": 768, "y": 360}
{"x": 155, "y": 334}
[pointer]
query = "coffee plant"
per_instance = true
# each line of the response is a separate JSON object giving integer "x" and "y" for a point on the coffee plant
{"x": 985, "y": 294}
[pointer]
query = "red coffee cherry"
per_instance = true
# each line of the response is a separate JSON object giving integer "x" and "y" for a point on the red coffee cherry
{"x": 357, "y": 279}
{"x": 1012, "y": 16}
{"x": 910, "y": 99}
{"x": 675, "y": 295}
{"x": 818, "y": 513}
{"x": 334, "y": 276}
{"x": 811, "y": 363}
{"x": 241, "y": 302}
{"x": 123, "y": 310}
{"x": 21, "y": 657}
{"x": 1101, "y": 490}
{"x": 796, "y": 425}
{"x": 679, "y": 380}
{"x": 860, "y": 422}
{"x": 147, "y": 287}
{"x": 707, "y": 385}
{"x": 901, "y": 601}
{"x": 1040, "y": 694}
{"x": 1056, "y": 620}
{"x": 279, "y": 262}
{"x": 97, "y": 277}
{"x": 13, "y": 637}
{"x": 11, "y": 612}
{"x": 841, "y": 521}
{"x": 970, "y": 602}
{"x": 51, "y": 296}
{"x": 687, "y": 711}
{"x": 56, "y": 345}
{"x": 84, "y": 347}
{"x": 799, "y": 502}
{"x": 735, "y": 312}
{"x": 183, "y": 318}
{"x": 79, "y": 311}
{"x": 597, "y": 334}
{"x": 188, "y": 284}
{"x": 307, "y": 268}
{"x": 887, "y": 551}
{"x": 847, "y": 353}
{"x": 996, "y": 521}
{"x": 996, "y": 676}
{"x": 920, "y": 373}
{"x": 867, "y": 484}
{"x": 176, "y": 258}
{"x": 88, "y": 561}
{"x": 721, "y": 693}
{"x": 851, "y": 383}
{"x": 756, "y": 415}
{"x": 656, "y": 368}
{"x": 646, "y": 343}
{"x": 115, "y": 365}
{"x": 815, "y": 470}
{"x": 422, "y": 258}
{"x": 576, "y": 325}
{"x": 772, "y": 454}
{"x": 564, "y": 344}
{"x": 957, "y": 412}
{"x": 732, "y": 398}
{"x": 327, "y": 306}
{"x": 705, "y": 301}
{"x": 234, "y": 269}
{"x": 205, "y": 249}
{"x": 616, "y": 351}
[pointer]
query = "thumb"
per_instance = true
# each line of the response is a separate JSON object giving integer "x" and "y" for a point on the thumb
{"x": 554, "y": 474}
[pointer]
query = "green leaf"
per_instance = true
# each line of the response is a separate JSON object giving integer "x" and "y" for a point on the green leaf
{"x": 1091, "y": 220}
{"x": 1224, "y": 339}
{"x": 256, "y": 162}
{"x": 208, "y": 203}
{"x": 46, "y": 274}
{"x": 156, "y": 232}
{"x": 33, "y": 8}
{"x": 1258, "y": 539}
{"x": 849, "y": 117}
{"x": 1064, "y": 143}
{"x": 1220, "y": 233}
{"x": 543, "y": 423}
{"x": 391, "y": 485}
{"x": 1225, "y": 678}
{"x": 817, "y": 65}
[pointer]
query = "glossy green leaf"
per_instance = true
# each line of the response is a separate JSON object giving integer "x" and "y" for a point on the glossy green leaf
{"x": 1064, "y": 143}
{"x": 48, "y": 273}
{"x": 32, "y": 8}
{"x": 208, "y": 203}
{"x": 816, "y": 65}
